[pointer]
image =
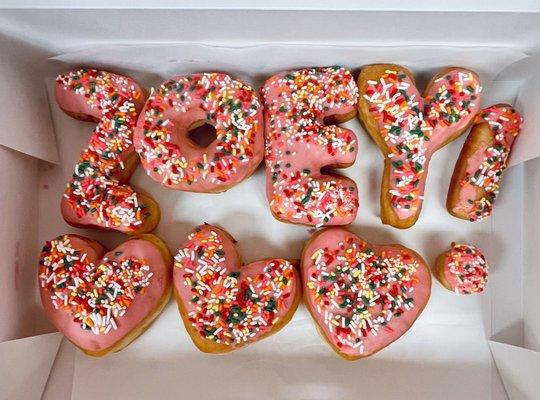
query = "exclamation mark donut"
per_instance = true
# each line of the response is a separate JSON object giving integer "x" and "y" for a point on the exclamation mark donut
{"x": 484, "y": 157}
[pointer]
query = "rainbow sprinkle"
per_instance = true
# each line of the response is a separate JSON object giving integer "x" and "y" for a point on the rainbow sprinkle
{"x": 226, "y": 306}
{"x": 96, "y": 295}
{"x": 468, "y": 269}
{"x": 230, "y": 105}
{"x": 409, "y": 124}
{"x": 296, "y": 138}
{"x": 358, "y": 292}
{"x": 94, "y": 188}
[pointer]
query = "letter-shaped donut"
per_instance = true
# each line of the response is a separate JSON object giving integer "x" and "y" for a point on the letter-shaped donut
{"x": 185, "y": 102}
{"x": 409, "y": 128}
{"x": 483, "y": 158}
{"x": 298, "y": 144}
{"x": 96, "y": 195}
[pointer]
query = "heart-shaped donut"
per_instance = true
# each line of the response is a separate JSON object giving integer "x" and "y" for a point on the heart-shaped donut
{"x": 102, "y": 302}
{"x": 224, "y": 304}
{"x": 362, "y": 296}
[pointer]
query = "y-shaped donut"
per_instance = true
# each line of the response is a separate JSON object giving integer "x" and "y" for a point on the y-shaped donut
{"x": 409, "y": 128}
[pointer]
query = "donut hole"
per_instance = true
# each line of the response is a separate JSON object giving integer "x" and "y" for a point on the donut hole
{"x": 330, "y": 120}
{"x": 202, "y": 133}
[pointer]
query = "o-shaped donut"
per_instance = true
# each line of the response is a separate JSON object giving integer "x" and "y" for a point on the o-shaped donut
{"x": 184, "y": 102}
{"x": 96, "y": 195}
{"x": 298, "y": 104}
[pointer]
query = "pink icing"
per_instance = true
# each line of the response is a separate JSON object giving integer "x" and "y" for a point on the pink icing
{"x": 299, "y": 144}
{"x": 227, "y": 303}
{"x": 362, "y": 296}
{"x": 414, "y": 127}
{"x": 161, "y": 137}
{"x": 157, "y": 277}
{"x": 96, "y": 195}
{"x": 466, "y": 269}
{"x": 480, "y": 186}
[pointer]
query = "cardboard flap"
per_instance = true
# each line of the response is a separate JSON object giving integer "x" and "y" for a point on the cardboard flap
{"x": 60, "y": 382}
{"x": 25, "y": 122}
{"x": 27, "y": 361}
{"x": 166, "y": 60}
{"x": 527, "y": 145}
{"x": 518, "y": 368}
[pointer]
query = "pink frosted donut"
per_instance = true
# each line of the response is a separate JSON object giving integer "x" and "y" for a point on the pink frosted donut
{"x": 476, "y": 179}
{"x": 299, "y": 142}
{"x": 97, "y": 195}
{"x": 226, "y": 305}
{"x": 102, "y": 302}
{"x": 409, "y": 128}
{"x": 362, "y": 296}
{"x": 462, "y": 269}
{"x": 184, "y": 102}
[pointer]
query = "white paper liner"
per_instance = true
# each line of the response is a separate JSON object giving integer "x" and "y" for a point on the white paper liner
{"x": 446, "y": 345}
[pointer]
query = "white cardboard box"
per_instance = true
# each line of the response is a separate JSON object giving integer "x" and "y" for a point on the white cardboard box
{"x": 461, "y": 347}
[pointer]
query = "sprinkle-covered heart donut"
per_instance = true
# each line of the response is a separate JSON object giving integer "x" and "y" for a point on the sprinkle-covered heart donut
{"x": 476, "y": 179}
{"x": 301, "y": 109}
{"x": 97, "y": 195}
{"x": 224, "y": 304}
{"x": 184, "y": 102}
{"x": 102, "y": 302}
{"x": 409, "y": 128}
{"x": 462, "y": 269}
{"x": 362, "y": 296}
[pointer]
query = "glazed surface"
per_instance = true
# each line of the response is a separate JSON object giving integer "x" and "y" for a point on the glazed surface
{"x": 362, "y": 296}
{"x": 299, "y": 143}
{"x": 96, "y": 299}
{"x": 414, "y": 127}
{"x": 227, "y": 303}
{"x": 96, "y": 194}
{"x": 480, "y": 186}
{"x": 172, "y": 159}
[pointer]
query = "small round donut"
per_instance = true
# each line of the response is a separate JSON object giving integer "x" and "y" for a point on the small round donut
{"x": 476, "y": 179}
{"x": 185, "y": 102}
{"x": 362, "y": 296}
{"x": 301, "y": 110}
{"x": 226, "y": 305}
{"x": 463, "y": 269}
{"x": 97, "y": 195}
{"x": 102, "y": 302}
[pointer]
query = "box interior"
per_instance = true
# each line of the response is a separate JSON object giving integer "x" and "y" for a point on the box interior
{"x": 453, "y": 339}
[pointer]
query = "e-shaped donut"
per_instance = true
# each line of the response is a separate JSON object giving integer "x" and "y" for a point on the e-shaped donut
{"x": 409, "y": 128}
{"x": 297, "y": 107}
{"x": 96, "y": 196}
{"x": 476, "y": 179}
{"x": 102, "y": 302}
{"x": 362, "y": 296}
{"x": 226, "y": 305}
{"x": 463, "y": 269}
{"x": 185, "y": 102}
